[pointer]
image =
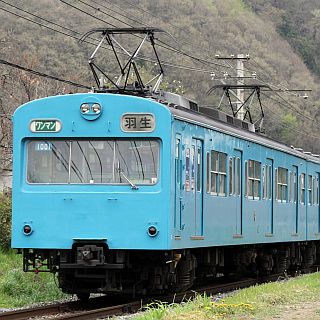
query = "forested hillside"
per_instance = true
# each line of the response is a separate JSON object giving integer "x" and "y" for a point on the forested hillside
{"x": 281, "y": 37}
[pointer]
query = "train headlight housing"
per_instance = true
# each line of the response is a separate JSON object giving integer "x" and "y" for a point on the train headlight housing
{"x": 96, "y": 108}
{"x": 85, "y": 108}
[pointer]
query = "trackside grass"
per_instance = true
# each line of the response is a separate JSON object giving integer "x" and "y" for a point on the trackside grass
{"x": 267, "y": 301}
{"x": 18, "y": 288}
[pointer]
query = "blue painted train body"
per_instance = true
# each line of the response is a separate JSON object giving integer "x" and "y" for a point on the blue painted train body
{"x": 119, "y": 193}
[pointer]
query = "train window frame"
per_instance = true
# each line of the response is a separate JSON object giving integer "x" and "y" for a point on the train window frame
{"x": 315, "y": 190}
{"x": 238, "y": 176}
{"x": 302, "y": 188}
{"x": 199, "y": 169}
{"x": 218, "y": 173}
{"x": 310, "y": 190}
{"x": 264, "y": 182}
{"x": 295, "y": 189}
{"x": 269, "y": 182}
{"x": 208, "y": 172}
{"x": 94, "y": 142}
{"x": 253, "y": 179}
{"x": 231, "y": 176}
{"x": 290, "y": 200}
{"x": 192, "y": 157}
{"x": 187, "y": 173}
{"x": 282, "y": 185}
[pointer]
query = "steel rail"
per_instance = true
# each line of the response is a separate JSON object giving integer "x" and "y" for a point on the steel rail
{"x": 70, "y": 310}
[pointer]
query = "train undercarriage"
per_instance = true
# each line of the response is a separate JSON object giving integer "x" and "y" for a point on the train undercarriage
{"x": 92, "y": 268}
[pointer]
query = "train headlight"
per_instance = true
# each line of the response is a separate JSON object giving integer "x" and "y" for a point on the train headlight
{"x": 27, "y": 229}
{"x": 96, "y": 108}
{"x": 85, "y": 108}
{"x": 152, "y": 231}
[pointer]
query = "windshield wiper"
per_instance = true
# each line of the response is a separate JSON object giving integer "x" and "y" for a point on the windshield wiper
{"x": 133, "y": 186}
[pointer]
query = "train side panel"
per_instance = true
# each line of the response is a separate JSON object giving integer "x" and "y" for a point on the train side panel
{"x": 248, "y": 193}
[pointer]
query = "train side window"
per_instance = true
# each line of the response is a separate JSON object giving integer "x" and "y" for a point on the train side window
{"x": 310, "y": 193}
{"x": 238, "y": 177}
{"x": 178, "y": 164}
{"x": 264, "y": 183}
{"x": 269, "y": 182}
{"x": 199, "y": 173}
{"x": 282, "y": 184}
{"x": 231, "y": 170}
{"x": 188, "y": 169}
{"x": 208, "y": 172}
{"x": 276, "y": 184}
{"x": 218, "y": 173}
{"x": 315, "y": 190}
{"x": 222, "y": 173}
{"x": 302, "y": 188}
{"x": 192, "y": 167}
{"x": 290, "y": 186}
{"x": 294, "y": 187}
{"x": 246, "y": 178}
{"x": 254, "y": 179}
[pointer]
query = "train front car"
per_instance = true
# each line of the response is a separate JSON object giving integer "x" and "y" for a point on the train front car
{"x": 91, "y": 192}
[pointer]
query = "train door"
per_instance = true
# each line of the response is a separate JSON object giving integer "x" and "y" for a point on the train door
{"x": 178, "y": 186}
{"x": 268, "y": 190}
{"x": 196, "y": 186}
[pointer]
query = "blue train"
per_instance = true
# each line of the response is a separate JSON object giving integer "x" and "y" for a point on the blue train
{"x": 125, "y": 194}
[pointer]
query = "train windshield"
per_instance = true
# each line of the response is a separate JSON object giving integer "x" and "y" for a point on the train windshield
{"x": 122, "y": 161}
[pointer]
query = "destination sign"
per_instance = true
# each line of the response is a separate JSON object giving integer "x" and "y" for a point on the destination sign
{"x": 138, "y": 122}
{"x": 45, "y": 125}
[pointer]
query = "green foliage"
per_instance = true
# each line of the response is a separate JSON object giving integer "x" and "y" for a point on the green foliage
{"x": 18, "y": 288}
{"x": 258, "y": 302}
{"x": 5, "y": 221}
{"x": 289, "y": 129}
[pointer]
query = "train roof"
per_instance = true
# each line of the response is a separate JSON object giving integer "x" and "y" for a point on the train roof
{"x": 204, "y": 120}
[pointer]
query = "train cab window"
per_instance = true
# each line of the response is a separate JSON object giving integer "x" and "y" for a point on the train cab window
{"x": 282, "y": 184}
{"x": 310, "y": 191}
{"x": 302, "y": 188}
{"x": 48, "y": 161}
{"x": 253, "y": 179}
{"x": 130, "y": 161}
{"x": 218, "y": 173}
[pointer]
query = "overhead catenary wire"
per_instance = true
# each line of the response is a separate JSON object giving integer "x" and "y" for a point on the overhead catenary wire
{"x": 140, "y": 57}
{"x": 41, "y": 74}
{"x": 160, "y": 44}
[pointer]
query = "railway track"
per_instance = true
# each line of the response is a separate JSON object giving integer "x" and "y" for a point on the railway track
{"x": 94, "y": 309}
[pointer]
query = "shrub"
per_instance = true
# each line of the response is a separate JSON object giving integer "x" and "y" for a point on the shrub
{"x": 5, "y": 221}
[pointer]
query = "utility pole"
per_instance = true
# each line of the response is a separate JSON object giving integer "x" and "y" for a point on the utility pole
{"x": 240, "y": 82}
{"x": 240, "y": 110}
